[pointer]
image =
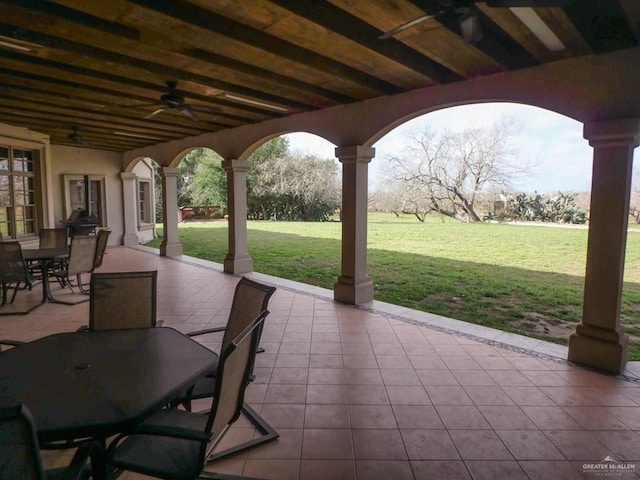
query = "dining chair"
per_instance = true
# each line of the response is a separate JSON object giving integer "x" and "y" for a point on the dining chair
{"x": 249, "y": 298}
{"x": 122, "y": 300}
{"x": 49, "y": 238}
{"x": 82, "y": 253}
{"x": 20, "y": 454}
{"x": 13, "y": 270}
{"x": 52, "y": 238}
{"x": 174, "y": 444}
{"x": 103, "y": 238}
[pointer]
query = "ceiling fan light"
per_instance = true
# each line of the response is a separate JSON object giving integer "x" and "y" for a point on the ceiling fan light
{"x": 470, "y": 28}
{"x": 540, "y": 29}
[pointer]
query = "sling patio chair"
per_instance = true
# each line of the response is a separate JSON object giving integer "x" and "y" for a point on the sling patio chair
{"x": 82, "y": 255}
{"x": 52, "y": 238}
{"x": 13, "y": 273}
{"x": 122, "y": 300}
{"x": 49, "y": 238}
{"x": 20, "y": 454}
{"x": 250, "y": 298}
{"x": 173, "y": 443}
{"x": 103, "y": 238}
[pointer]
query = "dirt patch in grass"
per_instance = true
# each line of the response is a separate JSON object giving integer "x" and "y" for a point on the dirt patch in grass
{"x": 541, "y": 326}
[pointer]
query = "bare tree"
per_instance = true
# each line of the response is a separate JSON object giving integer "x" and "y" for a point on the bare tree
{"x": 447, "y": 171}
{"x": 634, "y": 207}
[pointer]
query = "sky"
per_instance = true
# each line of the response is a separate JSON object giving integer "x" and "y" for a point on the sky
{"x": 550, "y": 141}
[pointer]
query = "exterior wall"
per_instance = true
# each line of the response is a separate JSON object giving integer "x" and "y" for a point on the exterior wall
{"x": 144, "y": 171}
{"x": 85, "y": 161}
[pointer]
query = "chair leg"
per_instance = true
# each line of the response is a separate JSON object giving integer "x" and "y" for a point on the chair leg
{"x": 267, "y": 432}
{"x": 80, "y": 285}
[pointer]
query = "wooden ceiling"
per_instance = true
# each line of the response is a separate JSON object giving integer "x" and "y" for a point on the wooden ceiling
{"x": 102, "y": 66}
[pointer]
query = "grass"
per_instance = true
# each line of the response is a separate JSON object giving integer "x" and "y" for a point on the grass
{"x": 524, "y": 279}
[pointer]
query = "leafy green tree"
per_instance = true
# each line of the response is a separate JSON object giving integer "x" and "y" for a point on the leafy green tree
{"x": 295, "y": 187}
{"x": 209, "y": 182}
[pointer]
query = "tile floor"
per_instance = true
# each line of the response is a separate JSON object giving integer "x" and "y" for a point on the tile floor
{"x": 386, "y": 393}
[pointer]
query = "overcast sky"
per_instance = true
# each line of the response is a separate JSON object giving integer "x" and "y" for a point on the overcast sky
{"x": 552, "y": 142}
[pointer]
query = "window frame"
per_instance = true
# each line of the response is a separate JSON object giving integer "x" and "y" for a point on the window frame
{"x": 30, "y": 224}
{"x": 68, "y": 204}
{"x": 145, "y": 206}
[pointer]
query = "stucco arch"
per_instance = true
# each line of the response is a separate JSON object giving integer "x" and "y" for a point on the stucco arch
{"x": 130, "y": 165}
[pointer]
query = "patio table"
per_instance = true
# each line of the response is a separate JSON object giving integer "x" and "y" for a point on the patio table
{"x": 46, "y": 257}
{"x": 96, "y": 384}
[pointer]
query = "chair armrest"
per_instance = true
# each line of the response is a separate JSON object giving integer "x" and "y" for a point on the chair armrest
{"x": 172, "y": 431}
{"x": 205, "y": 331}
{"x": 13, "y": 343}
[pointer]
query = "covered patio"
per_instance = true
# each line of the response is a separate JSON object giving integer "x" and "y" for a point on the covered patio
{"x": 381, "y": 392}
{"x": 93, "y": 92}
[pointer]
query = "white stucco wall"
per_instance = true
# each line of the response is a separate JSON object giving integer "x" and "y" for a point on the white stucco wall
{"x": 85, "y": 161}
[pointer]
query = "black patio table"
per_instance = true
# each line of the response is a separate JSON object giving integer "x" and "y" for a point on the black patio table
{"x": 96, "y": 384}
{"x": 46, "y": 257}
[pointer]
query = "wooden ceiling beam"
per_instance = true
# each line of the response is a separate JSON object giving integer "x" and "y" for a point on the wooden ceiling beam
{"x": 343, "y": 23}
{"x": 209, "y": 20}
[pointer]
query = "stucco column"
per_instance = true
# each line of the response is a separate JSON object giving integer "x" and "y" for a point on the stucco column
{"x": 170, "y": 246}
{"x": 130, "y": 213}
{"x": 354, "y": 286}
{"x": 237, "y": 259}
{"x": 600, "y": 341}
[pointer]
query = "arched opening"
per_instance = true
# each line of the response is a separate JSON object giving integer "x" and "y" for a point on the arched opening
{"x": 511, "y": 273}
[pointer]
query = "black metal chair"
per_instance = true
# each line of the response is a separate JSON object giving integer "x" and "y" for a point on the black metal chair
{"x": 20, "y": 455}
{"x": 122, "y": 300}
{"x": 49, "y": 238}
{"x": 250, "y": 298}
{"x": 173, "y": 443}
{"x": 13, "y": 271}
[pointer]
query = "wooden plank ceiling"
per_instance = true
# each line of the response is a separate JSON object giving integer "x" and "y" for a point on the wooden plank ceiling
{"x": 102, "y": 66}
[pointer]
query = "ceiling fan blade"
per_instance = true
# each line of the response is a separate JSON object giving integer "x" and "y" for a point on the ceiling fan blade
{"x": 153, "y": 114}
{"x": 404, "y": 26}
{"x": 188, "y": 112}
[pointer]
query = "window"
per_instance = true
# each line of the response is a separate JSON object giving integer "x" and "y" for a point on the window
{"x": 144, "y": 201}
{"x": 86, "y": 191}
{"x": 18, "y": 210}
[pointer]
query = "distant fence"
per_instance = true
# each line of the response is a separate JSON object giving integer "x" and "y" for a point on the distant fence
{"x": 201, "y": 212}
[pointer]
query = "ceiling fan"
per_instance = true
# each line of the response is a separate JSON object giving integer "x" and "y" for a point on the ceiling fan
{"x": 75, "y": 138}
{"x": 464, "y": 14}
{"x": 172, "y": 100}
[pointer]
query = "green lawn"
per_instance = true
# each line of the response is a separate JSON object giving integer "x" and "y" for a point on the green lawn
{"x": 525, "y": 279}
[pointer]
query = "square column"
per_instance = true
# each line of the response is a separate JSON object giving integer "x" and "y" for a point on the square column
{"x": 129, "y": 198}
{"x": 237, "y": 259}
{"x": 354, "y": 286}
{"x": 170, "y": 246}
{"x": 600, "y": 341}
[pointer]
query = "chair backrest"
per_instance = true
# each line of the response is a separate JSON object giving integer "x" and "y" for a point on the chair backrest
{"x": 12, "y": 265}
{"x": 52, "y": 237}
{"x": 122, "y": 300}
{"x": 234, "y": 369}
{"x": 103, "y": 238}
{"x": 19, "y": 455}
{"x": 249, "y": 299}
{"x": 82, "y": 254}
